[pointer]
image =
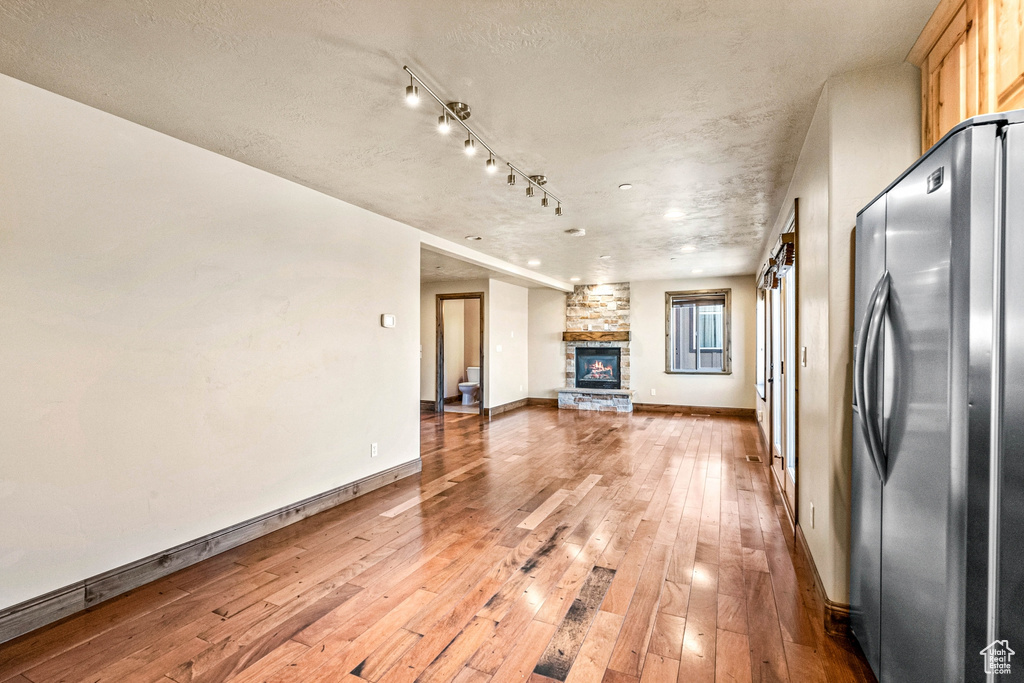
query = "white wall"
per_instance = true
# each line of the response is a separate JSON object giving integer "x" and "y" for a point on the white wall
{"x": 875, "y": 136}
{"x": 647, "y": 347}
{"x": 428, "y": 327}
{"x": 547, "y": 351}
{"x": 865, "y": 132}
{"x": 454, "y": 345}
{"x": 507, "y": 320}
{"x": 188, "y": 342}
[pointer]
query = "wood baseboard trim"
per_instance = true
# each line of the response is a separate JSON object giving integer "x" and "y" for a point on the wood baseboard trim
{"x": 692, "y": 410}
{"x": 505, "y": 407}
{"x": 550, "y": 402}
{"x": 453, "y": 399}
{"x": 837, "y": 619}
{"x": 763, "y": 435}
{"x": 429, "y": 406}
{"x": 774, "y": 476}
{"x": 45, "y": 609}
{"x": 837, "y": 614}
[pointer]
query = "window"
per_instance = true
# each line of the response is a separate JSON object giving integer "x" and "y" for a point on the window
{"x": 697, "y": 332}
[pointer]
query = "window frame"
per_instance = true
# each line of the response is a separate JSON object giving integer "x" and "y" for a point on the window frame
{"x": 673, "y": 297}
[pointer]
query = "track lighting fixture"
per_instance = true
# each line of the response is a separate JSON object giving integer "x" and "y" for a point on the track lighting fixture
{"x": 412, "y": 93}
{"x": 456, "y": 113}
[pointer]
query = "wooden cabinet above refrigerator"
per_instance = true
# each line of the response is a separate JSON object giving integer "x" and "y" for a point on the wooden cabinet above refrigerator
{"x": 971, "y": 56}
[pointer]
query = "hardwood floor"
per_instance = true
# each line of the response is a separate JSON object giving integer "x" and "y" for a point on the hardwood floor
{"x": 541, "y": 545}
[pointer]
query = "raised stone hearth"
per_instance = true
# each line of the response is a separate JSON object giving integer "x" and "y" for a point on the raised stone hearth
{"x": 607, "y": 400}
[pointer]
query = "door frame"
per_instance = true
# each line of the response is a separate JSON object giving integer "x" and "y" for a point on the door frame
{"x": 788, "y": 486}
{"x": 777, "y": 347}
{"x": 439, "y": 335}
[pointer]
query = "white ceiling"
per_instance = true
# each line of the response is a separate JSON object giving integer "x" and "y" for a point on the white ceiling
{"x": 701, "y": 104}
{"x": 436, "y": 267}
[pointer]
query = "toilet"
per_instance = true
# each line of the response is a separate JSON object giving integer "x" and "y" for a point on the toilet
{"x": 470, "y": 388}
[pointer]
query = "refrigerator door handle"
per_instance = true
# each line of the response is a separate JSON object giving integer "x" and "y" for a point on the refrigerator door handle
{"x": 858, "y": 359}
{"x": 869, "y": 390}
{"x": 859, "y": 373}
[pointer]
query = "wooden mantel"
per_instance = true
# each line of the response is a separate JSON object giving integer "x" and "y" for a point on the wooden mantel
{"x": 596, "y": 336}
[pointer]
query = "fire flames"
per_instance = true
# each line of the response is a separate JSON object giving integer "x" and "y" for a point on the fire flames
{"x": 598, "y": 370}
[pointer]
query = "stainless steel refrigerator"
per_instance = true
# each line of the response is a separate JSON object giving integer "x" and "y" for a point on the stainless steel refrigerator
{"x": 937, "y": 499}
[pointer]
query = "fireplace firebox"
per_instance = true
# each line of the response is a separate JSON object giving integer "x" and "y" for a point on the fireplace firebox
{"x": 598, "y": 368}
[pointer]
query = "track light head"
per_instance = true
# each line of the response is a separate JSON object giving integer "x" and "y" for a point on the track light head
{"x": 412, "y": 94}
{"x": 558, "y": 210}
{"x": 492, "y": 165}
{"x": 470, "y": 146}
{"x": 444, "y": 126}
{"x": 529, "y": 190}
{"x": 511, "y": 179}
{"x": 544, "y": 201}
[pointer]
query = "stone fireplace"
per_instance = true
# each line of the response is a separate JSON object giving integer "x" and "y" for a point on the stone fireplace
{"x": 597, "y": 330}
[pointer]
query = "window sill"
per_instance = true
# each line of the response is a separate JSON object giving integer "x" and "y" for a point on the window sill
{"x": 702, "y": 373}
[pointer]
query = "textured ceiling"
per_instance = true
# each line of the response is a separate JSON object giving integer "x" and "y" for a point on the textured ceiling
{"x": 700, "y": 104}
{"x": 436, "y": 267}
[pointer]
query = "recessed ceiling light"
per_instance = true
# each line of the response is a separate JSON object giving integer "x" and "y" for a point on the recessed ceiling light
{"x": 574, "y": 279}
{"x": 673, "y": 213}
{"x": 576, "y": 232}
{"x": 688, "y": 247}
{"x": 697, "y": 270}
{"x": 625, "y": 186}
{"x": 604, "y": 256}
{"x": 533, "y": 262}
{"x": 474, "y": 238}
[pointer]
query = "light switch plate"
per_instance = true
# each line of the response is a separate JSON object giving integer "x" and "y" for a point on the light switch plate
{"x": 387, "y": 320}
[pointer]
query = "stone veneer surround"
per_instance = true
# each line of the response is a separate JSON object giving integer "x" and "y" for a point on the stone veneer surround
{"x": 570, "y": 361}
{"x": 596, "y": 308}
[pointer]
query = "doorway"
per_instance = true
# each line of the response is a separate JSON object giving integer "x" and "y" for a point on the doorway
{"x": 784, "y": 342}
{"x": 460, "y": 353}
